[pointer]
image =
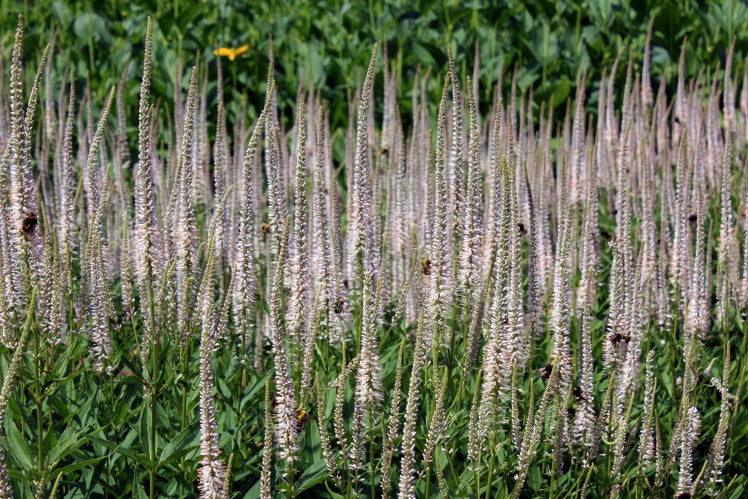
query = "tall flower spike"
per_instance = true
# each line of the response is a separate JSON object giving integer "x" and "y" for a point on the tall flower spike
{"x": 559, "y": 315}
{"x": 399, "y": 214}
{"x": 727, "y": 242}
{"x": 126, "y": 276}
{"x": 186, "y": 232}
{"x": 518, "y": 341}
{"x": 99, "y": 287}
{"x": 245, "y": 281}
{"x": 646, "y": 86}
{"x": 321, "y": 257}
{"x": 146, "y": 246}
{"x": 212, "y": 469}
{"x": 18, "y": 169}
{"x": 473, "y": 207}
{"x": 408, "y": 446}
{"x": 28, "y": 123}
{"x": 716, "y": 457}
{"x": 287, "y": 429}
{"x": 49, "y": 129}
{"x": 534, "y": 296}
{"x": 678, "y": 266}
{"x": 26, "y": 247}
{"x": 585, "y": 418}
{"x": 455, "y": 165}
{"x": 697, "y": 315}
{"x": 690, "y": 434}
{"x": 360, "y": 227}
{"x": 438, "y": 281}
{"x": 577, "y": 139}
{"x": 276, "y": 192}
{"x": 7, "y": 329}
{"x": 299, "y": 300}
{"x": 646, "y": 438}
{"x": 369, "y": 394}
{"x": 220, "y": 182}
{"x": 744, "y": 284}
{"x": 368, "y": 382}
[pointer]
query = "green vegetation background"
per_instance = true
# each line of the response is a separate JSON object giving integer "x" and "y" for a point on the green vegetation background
{"x": 327, "y": 42}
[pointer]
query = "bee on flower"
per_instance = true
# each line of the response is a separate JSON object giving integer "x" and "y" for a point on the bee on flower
{"x": 302, "y": 417}
{"x": 545, "y": 372}
{"x": 29, "y": 222}
{"x": 426, "y": 266}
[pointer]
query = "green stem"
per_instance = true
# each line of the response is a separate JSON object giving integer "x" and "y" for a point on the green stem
{"x": 476, "y": 474}
{"x": 39, "y": 402}
{"x": 371, "y": 452}
{"x": 490, "y": 476}
{"x": 184, "y": 425}
{"x": 154, "y": 406}
{"x": 244, "y": 356}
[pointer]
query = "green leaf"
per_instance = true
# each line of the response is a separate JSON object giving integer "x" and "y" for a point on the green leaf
{"x": 69, "y": 441}
{"x": 179, "y": 445}
{"x": 254, "y": 492}
{"x": 79, "y": 465}
{"x": 89, "y": 26}
{"x": 260, "y": 385}
{"x": 534, "y": 479}
{"x": 142, "y": 460}
{"x": 61, "y": 11}
{"x": 20, "y": 448}
{"x": 312, "y": 476}
{"x": 145, "y": 433}
{"x": 333, "y": 494}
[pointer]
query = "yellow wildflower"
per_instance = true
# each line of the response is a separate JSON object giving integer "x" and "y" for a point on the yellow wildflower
{"x": 231, "y": 53}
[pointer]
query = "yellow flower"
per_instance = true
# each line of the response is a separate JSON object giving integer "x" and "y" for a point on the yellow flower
{"x": 231, "y": 53}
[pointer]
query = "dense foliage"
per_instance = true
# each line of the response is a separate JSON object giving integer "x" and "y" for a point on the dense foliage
{"x": 325, "y": 43}
{"x": 497, "y": 303}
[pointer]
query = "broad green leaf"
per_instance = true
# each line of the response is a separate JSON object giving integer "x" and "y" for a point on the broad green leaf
{"x": 260, "y": 385}
{"x": 312, "y": 476}
{"x": 79, "y": 465}
{"x": 19, "y": 447}
{"x": 254, "y": 492}
{"x": 180, "y": 445}
{"x": 91, "y": 26}
{"x": 69, "y": 441}
{"x": 142, "y": 460}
